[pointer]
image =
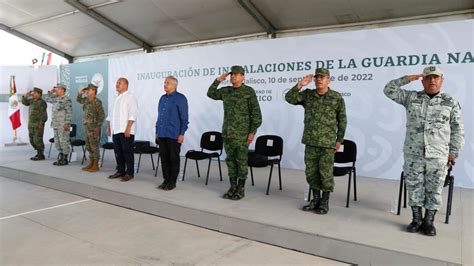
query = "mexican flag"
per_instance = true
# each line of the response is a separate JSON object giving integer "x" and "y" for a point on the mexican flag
{"x": 13, "y": 106}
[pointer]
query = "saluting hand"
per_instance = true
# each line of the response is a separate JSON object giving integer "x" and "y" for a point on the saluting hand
{"x": 223, "y": 76}
{"x": 413, "y": 77}
{"x": 306, "y": 80}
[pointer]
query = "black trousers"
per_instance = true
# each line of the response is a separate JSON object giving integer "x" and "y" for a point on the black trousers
{"x": 123, "y": 148}
{"x": 169, "y": 154}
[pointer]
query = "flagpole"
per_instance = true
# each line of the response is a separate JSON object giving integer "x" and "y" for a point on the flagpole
{"x": 14, "y": 135}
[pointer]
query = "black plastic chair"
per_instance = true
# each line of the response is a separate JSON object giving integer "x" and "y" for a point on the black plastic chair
{"x": 348, "y": 155}
{"x": 72, "y": 134}
{"x": 211, "y": 141}
{"x": 143, "y": 147}
{"x": 268, "y": 151}
{"x": 448, "y": 182}
{"x": 77, "y": 143}
{"x": 106, "y": 146}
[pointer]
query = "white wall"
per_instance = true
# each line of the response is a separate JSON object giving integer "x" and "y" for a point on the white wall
{"x": 375, "y": 123}
{"x": 26, "y": 77}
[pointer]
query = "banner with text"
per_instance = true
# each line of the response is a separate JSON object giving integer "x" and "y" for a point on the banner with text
{"x": 361, "y": 63}
{"x": 76, "y": 77}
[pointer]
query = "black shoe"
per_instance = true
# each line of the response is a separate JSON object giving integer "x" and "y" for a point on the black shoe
{"x": 428, "y": 226}
{"x": 34, "y": 157}
{"x": 116, "y": 175}
{"x": 169, "y": 187}
{"x": 163, "y": 185}
{"x": 415, "y": 225}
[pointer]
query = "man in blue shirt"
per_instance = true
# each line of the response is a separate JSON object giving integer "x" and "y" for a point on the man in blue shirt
{"x": 171, "y": 125}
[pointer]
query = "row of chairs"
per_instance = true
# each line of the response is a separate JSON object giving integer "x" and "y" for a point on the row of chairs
{"x": 268, "y": 152}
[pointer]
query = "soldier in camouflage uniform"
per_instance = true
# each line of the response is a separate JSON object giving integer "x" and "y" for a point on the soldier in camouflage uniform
{"x": 36, "y": 119}
{"x": 434, "y": 137}
{"x": 61, "y": 121}
{"x": 93, "y": 118}
{"x": 242, "y": 117}
{"x": 324, "y": 128}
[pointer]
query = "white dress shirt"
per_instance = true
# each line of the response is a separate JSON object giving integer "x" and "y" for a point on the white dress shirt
{"x": 125, "y": 108}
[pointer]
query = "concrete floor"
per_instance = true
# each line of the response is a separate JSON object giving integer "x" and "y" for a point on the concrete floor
{"x": 92, "y": 232}
{"x": 367, "y": 233}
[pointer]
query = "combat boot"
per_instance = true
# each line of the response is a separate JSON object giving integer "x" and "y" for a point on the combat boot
{"x": 314, "y": 203}
{"x": 85, "y": 168}
{"x": 428, "y": 226}
{"x": 240, "y": 191}
{"x": 324, "y": 205}
{"x": 35, "y": 158}
{"x": 63, "y": 160}
{"x": 40, "y": 156}
{"x": 58, "y": 159}
{"x": 94, "y": 167}
{"x": 415, "y": 224}
{"x": 232, "y": 189}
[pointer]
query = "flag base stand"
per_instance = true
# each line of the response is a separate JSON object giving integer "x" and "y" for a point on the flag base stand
{"x": 15, "y": 142}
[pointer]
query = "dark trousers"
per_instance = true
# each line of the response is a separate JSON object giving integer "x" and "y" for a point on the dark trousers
{"x": 169, "y": 154}
{"x": 123, "y": 148}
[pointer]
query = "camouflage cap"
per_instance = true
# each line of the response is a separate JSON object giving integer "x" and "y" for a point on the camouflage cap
{"x": 60, "y": 85}
{"x": 91, "y": 87}
{"x": 432, "y": 70}
{"x": 321, "y": 72}
{"x": 237, "y": 69}
{"x": 38, "y": 90}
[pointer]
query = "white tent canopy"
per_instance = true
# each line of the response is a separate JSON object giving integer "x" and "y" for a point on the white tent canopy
{"x": 73, "y": 28}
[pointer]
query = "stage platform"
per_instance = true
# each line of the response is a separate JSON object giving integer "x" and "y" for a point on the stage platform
{"x": 367, "y": 233}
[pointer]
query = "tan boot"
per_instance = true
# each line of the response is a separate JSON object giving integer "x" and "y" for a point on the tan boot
{"x": 85, "y": 168}
{"x": 94, "y": 167}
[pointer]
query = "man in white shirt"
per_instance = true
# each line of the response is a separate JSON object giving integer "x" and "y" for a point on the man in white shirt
{"x": 120, "y": 124}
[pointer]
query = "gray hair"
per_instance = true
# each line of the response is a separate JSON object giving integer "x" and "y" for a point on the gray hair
{"x": 173, "y": 79}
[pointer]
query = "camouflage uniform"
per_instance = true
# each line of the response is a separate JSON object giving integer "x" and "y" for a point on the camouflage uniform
{"x": 434, "y": 130}
{"x": 62, "y": 114}
{"x": 93, "y": 118}
{"x": 36, "y": 120}
{"x": 324, "y": 123}
{"x": 242, "y": 116}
